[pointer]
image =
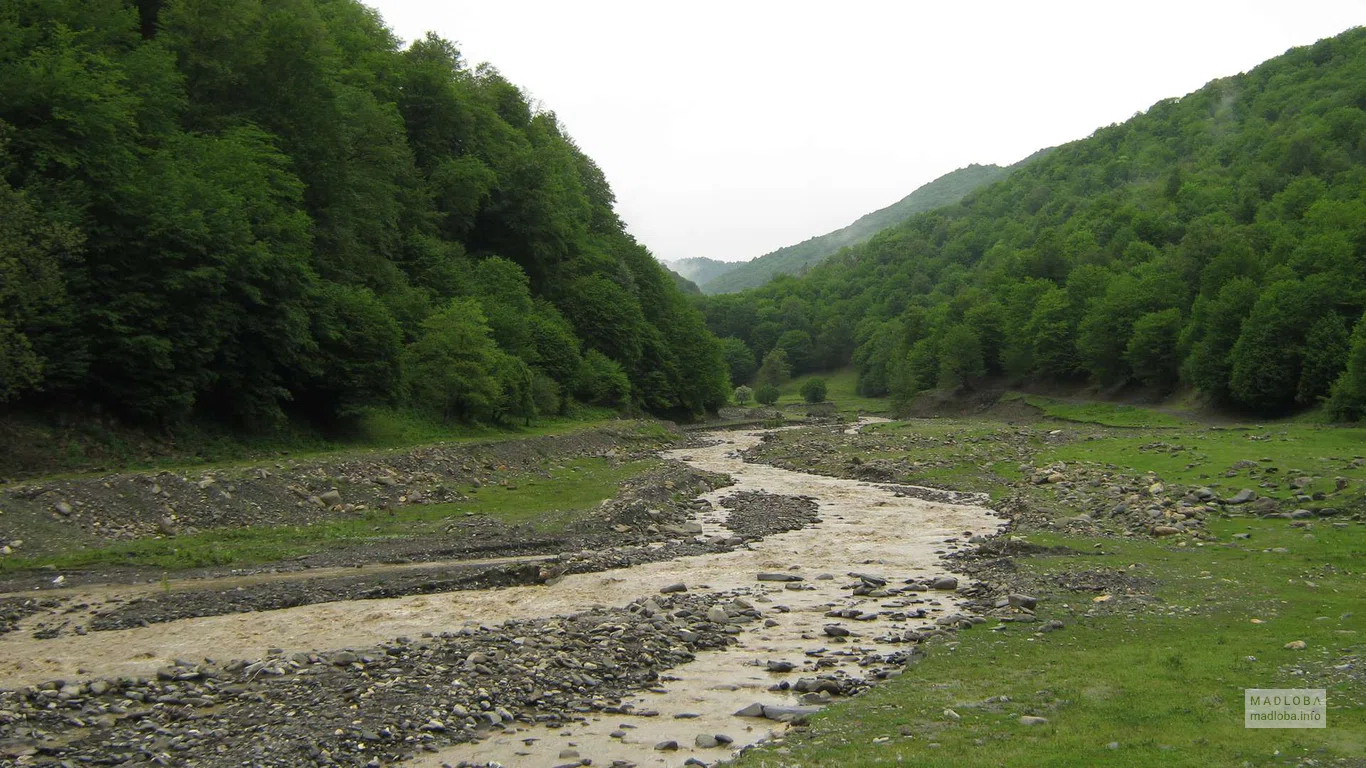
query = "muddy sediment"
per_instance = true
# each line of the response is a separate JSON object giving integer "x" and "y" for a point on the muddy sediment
{"x": 780, "y": 612}
{"x": 356, "y": 707}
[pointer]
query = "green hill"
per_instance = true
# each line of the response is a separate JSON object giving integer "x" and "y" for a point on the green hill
{"x": 945, "y": 190}
{"x": 232, "y": 212}
{"x": 700, "y": 269}
{"x": 1216, "y": 241}
{"x": 682, "y": 283}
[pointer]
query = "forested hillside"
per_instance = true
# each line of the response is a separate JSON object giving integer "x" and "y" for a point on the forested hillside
{"x": 1217, "y": 239}
{"x": 700, "y": 269}
{"x": 794, "y": 259}
{"x": 254, "y": 209}
{"x": 682, "y": 283}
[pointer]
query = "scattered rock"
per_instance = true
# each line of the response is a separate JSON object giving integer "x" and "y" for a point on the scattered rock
{"x": 780, "y": 577}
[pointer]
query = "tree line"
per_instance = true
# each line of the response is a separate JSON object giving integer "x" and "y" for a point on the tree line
{"x": 253, "y": 210}
{"x": 1216, "y": 241}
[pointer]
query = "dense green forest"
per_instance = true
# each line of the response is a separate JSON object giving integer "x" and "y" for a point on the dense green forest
{"x": 796, "y": 259}
{"x": 1217, "y": 240}
{"x": 254, "y": 210}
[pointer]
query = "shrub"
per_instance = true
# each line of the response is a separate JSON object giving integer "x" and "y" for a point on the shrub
{"x": 767, "y": 394}
{"x": 813, "y": 391}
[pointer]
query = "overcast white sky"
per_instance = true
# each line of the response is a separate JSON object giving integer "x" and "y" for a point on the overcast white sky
{"x": 729, "y": 129}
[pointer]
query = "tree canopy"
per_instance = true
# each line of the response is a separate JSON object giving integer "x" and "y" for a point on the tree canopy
{"x": 254, "y": 209}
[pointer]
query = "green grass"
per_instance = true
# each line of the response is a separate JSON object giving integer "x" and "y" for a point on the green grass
{"x": 1202, "y": 456}
{"x": 548, "y": 504}
{"x": 1105, "y": 414}
{"x": 840, "y": 389}
{"x": 1163, "y": 680}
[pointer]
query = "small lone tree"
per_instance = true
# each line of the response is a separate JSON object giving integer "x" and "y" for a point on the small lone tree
{"x": 813, "y": 391}
{"x": 767, "y": 394}
{"x": 775, "y": 369}
{"x": 743, "y": 395}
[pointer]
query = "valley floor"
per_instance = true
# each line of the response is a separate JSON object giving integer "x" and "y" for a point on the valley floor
{"x": 1159, "y": 601}
{"x": 619, "y": 595}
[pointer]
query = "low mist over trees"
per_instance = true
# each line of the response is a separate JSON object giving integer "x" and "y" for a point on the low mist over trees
{"x": 250, "y": 210}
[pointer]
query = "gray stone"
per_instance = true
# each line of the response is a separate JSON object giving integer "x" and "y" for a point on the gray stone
{"x": 781, "y": 666}
{"x": 835, "y": 630}
{"x": 667, "y": 746}
{"x": 330, "y": 498}
{"x": 753, "y": 710}
{"x": 63, "y": 508}
{"x": 706, "y": 741}
{"x": 717, "y": 615}
{"x": 779, "y": 577}
{"x": 1243, "y": 496}
{"x": 1032, "y": 720}
{"x": 944, "y": 582}
{"x": 672, "y": 588}
{"x": 1022, "y": 601}
{"x": 342, "y": 658}
{"x": 788, "y": 714}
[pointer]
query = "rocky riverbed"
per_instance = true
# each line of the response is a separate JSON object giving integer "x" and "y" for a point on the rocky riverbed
{"x": 779, "y": 593}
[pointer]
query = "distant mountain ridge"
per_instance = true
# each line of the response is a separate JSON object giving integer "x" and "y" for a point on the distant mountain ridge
{"x": 715, "y": 277}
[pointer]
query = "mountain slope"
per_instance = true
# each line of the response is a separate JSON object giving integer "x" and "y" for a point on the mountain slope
{"x": 700, "y": 269}
{"x": 1216, "y": 240}
{"x": 945, "y": 190}
{"x": 230, "y": 211}
{"x": 682, "y": 283}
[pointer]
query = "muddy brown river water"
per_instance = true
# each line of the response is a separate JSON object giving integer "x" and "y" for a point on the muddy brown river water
{"x": 865, "y": 528}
